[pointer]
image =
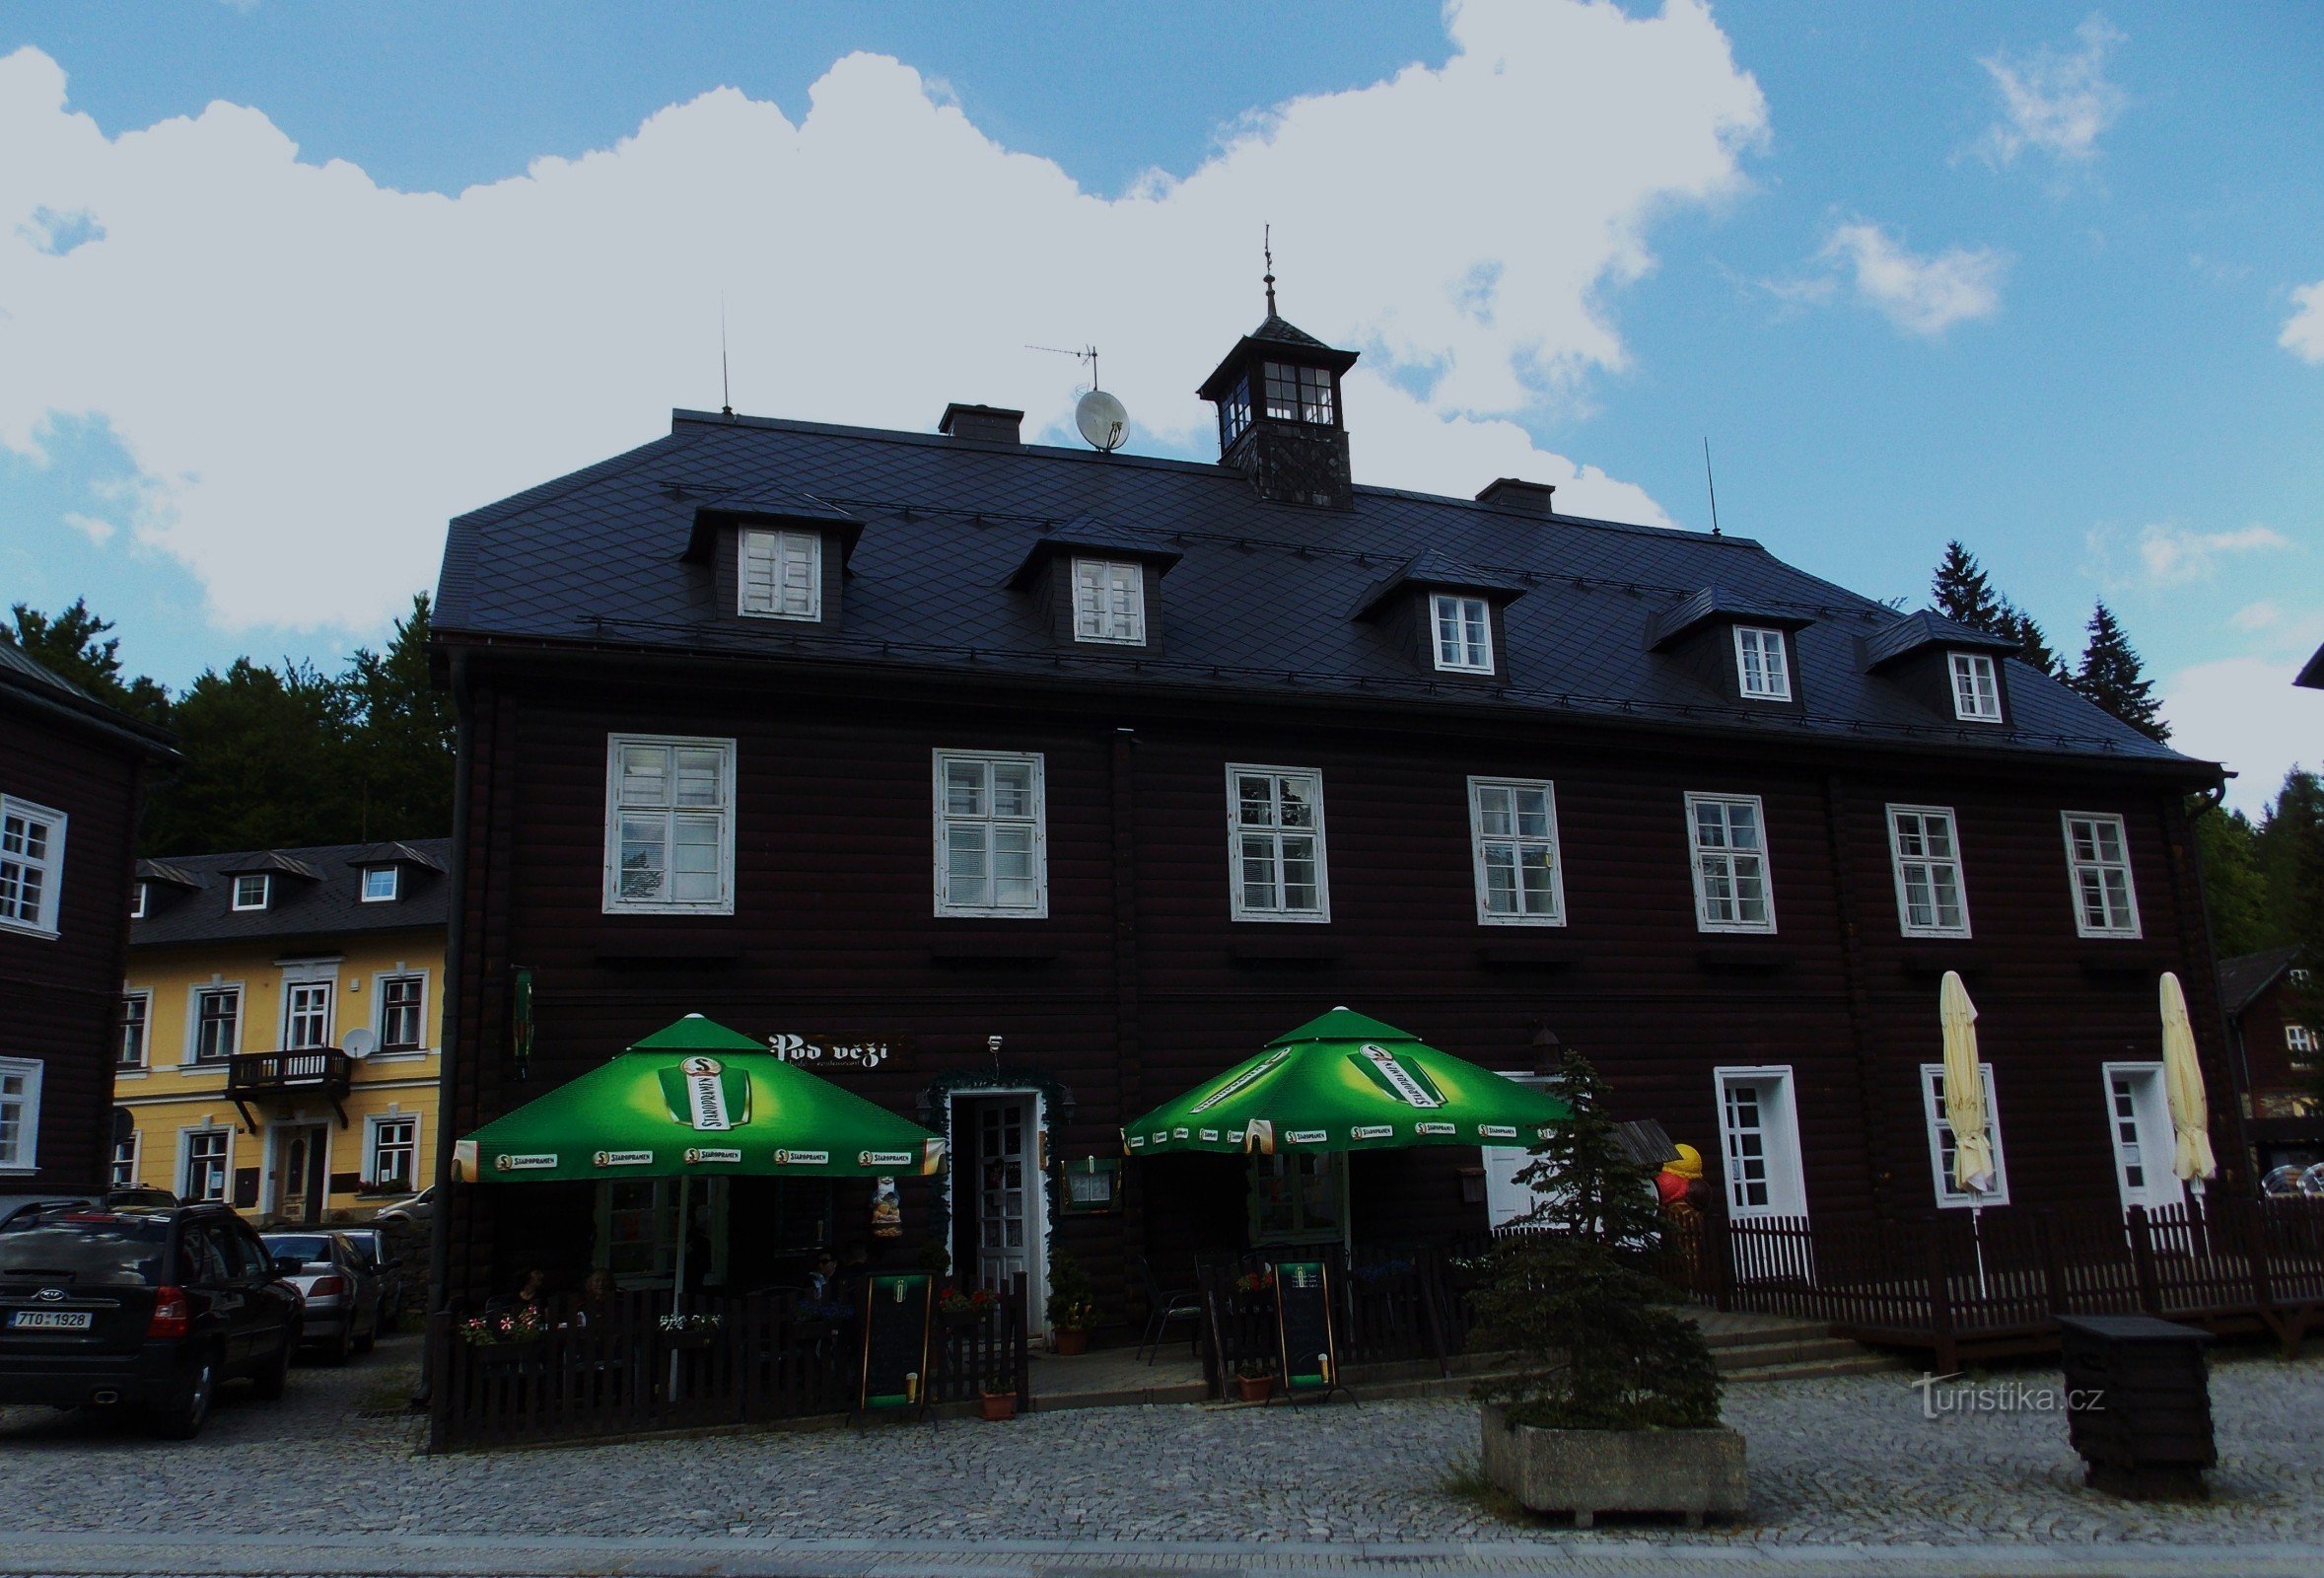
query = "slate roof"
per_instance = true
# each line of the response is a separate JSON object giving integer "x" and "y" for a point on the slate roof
{"x": 1718, "y": 602}
{"x": 22, "y": 673}
{"x": 2243, "y": 978}
{"x": 2311, "y": 674}
{"x": 596, "y": 557}
{"x": 303, "y": 909}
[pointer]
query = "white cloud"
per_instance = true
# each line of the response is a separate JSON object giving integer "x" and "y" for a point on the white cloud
{"x": 2247, "y": 713}
{"x": 311, "y": 373}
{"x": 2173, "y": 555}
{"x": 2054, "y": 101}
{"x": 2303, "y": 331}
{"x": 1920, "y": 295}
{"x": 94, "y": 528}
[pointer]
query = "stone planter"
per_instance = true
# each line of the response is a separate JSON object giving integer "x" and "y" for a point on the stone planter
{"x": 1695, "y": 1472}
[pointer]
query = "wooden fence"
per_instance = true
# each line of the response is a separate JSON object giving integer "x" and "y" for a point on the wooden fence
{"x": 614, "y": 1371}
{"x": 1390, "y": 1302}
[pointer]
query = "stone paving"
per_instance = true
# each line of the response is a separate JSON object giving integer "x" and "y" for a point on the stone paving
{"x": 1844, "y": 1462}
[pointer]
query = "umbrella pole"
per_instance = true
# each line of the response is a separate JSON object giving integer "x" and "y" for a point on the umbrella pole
{"x": 1977, "y": 1239}
{"x": 678, "y": 1281}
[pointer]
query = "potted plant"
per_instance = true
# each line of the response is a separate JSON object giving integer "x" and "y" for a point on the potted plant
{"x": 1255, "y": 1379}
{"x": 1073, "y": 1304}
{"x": 690, "y": 1331}
{"x": 996, "y": 1405}
{"x": 1614, "y": 1403}
{"x": 962, "y": 1308}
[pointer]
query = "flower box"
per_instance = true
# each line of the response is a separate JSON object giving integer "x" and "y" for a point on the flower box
{"x": 997, "y": 1405}
{"x": 1697, "y": 1473}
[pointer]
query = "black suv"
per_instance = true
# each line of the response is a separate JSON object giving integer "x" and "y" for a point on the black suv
{"x": 153, "y": 1306}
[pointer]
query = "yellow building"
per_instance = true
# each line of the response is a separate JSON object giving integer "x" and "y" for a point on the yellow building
{"x": 281, "y": 1028}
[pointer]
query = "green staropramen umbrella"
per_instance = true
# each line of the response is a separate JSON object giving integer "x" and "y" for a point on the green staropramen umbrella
{"x": 695, "y": 1099}
{"x": 1346, "y": 1081}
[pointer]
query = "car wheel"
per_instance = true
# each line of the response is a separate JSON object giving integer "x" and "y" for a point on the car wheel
{"x": 371, "y": 1334}
{"x": 184, "y": 1419}
{"x": 274, "y": 1375}
{"x": 343, "y": 1345}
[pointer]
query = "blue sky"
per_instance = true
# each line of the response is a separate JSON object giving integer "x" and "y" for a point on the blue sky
{"x": 2028, "y": 274}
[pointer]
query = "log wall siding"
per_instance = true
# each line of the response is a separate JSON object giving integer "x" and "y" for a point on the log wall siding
{"x": 1147, "y": 985}
{"x": 60, "y": 996}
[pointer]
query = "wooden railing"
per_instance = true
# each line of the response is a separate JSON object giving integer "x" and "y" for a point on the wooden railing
{"x": 611, "y": 1370}
{"x": 324, "y": 1070}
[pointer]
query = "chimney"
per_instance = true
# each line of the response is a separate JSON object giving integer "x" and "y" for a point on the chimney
{"x": 987, "y": 425}
{"x": 1516, "y": 493}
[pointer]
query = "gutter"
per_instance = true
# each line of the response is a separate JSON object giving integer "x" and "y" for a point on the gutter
{"x": 451, "y": 1051}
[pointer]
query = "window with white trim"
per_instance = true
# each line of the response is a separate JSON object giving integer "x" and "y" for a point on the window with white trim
{"x": 122, "y": 1168}
{"x": 2139, "y": 1121}
{"x": 252, "y": 891}
{"x": 1108, "y": 602}
{"x": 781, "y": 575}
{"x": 1464, "y": 632}
{"x": 1759, "y": 1140}
{"x": 403, "y": 1022}
{"x": 306, "y": 1015}
{"x": 1514, "y": 841}
{"x": 991, "y": 846}
{"x": 136, "y": 1020}
{"x": 1761, "y": 672}
{"x": 1943, "y": 1146}
{"x": 1297, "y": 393}
{"x": 1925, "y": 850}
{"x": 1276, "y": 857}
{"x": 378, "y": 885}
{"x": 2301, "y": 1045}
{"x": 137, "y": 897}
{"x": 217, "y": 1024}
{"x": 392, "y": 1151}
{"x": 20, "y": 1115}
{"x": 1728, "y": 835}
{"x": 2097, "y": 854}
{"x": 204, "y": 1157}
{"x": 670, "y": 824}
{"x": 31, "y": 865}
{"x": 1976, "y": 687}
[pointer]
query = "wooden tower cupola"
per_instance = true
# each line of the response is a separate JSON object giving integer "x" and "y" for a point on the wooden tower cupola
{"x": 1280, "y": 421}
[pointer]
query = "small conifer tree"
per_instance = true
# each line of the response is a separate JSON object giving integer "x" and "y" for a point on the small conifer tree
{"x": 2115, "y": 676}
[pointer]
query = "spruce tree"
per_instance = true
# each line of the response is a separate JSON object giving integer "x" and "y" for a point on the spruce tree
{"x": 2113, "y": 675}
{"x": 2033, "y": 647}
{"x": 1964, "y": 595}
{"x": 67, "y": 645}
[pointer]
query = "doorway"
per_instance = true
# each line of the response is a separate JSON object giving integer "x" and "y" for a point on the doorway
{"x": 999, "y": 1206}
{"x": 302, "y": 1161}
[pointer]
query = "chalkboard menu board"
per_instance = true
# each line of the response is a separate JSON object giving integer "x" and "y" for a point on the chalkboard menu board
{"x": 1302, "y": 1326}
{"x": 896, "y": 1341}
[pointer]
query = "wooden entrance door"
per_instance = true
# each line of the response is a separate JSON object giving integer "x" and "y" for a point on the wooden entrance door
{"x": 301, "y": 1185}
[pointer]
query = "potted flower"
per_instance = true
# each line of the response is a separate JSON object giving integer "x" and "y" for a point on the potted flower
{"x": 1253, "y": 1289}
{"x": 1073, "y": 1304}
{"x": 996, "y": 1405}
{"x": 690, "y": 1331}
{"x": 1255, "y": 1379}
{"x": 961, "y": 1308}
{"x": 1613, "y": 1405}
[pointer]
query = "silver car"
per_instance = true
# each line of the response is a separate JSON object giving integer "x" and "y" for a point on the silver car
{"x": 341, "y": 1291}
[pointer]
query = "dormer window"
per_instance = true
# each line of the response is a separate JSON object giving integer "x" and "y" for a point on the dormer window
{"x": 1464, "y": 633}
{"x": 1762, "y": 672}
{"x": 1110, "y": 601}
{"x": 252, "y": 891}
{"x": 378, "y": 885}
{"x": 1976, "y": 687}
{"x": 1299, "y": 395}
{"x": 137, "y": 901}
{"x": 781, "y": 574}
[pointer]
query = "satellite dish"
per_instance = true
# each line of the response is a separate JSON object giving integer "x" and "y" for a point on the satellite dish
{"x": 361, "y": 1043}
{"x": 1102, "y": 420}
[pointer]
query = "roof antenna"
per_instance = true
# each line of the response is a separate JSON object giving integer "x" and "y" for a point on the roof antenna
{"x": 1267, "y": 246}
{"x": 725, "y": 384}
{"x": 1709, "y": 484}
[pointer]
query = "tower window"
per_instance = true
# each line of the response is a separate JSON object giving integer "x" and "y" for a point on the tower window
{"x": 1299, "y": 394}
{"x": 1235, "y": 413}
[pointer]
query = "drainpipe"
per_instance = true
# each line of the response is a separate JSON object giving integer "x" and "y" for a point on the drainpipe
{"x": 449, "y": 1051}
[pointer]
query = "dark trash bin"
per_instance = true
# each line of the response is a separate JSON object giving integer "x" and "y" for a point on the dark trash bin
{"x": 2139, "y": 1403}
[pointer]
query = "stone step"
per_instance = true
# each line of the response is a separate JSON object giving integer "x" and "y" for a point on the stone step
{"x": 1814, "y": 1348}
{"x": 1864, "y": 1362}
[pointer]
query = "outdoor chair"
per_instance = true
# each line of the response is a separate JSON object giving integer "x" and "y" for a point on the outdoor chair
{"x": 1162, "y": 1306}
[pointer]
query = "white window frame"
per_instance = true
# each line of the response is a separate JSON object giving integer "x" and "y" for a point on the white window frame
{"x": 1468, "y": 621}
{"x": 265, "y": 882}
{"x": 1775, "y": 663}
{"x": 379, "y": 1010}
{"x": 295, "y": 983}
{"x": 194, "y": 1021}
{"x": 2157, "y": 1140}
{"x": 722, "y": 903}
{"x": 1976, "y": 679}
{"x": 1949, "y": 1194}
{"x": 144, "y": 1034}
{"x": 49, "y": 866}
{"x": 1899, "y": 859}
{"x": 2076, "y": 866}
{"x": 113, "y": 1160}
{"x": 1110, "y": 601}
{"x": 27, "y": 1157}
{"x": 185, "y": 1138}
{"x": 1705, "y": 920}
{"x": 1039, "y": 818}
{"x": 137, "y": 897}
{"x": 371, "y": 1124}
{"x": 2300, "y": 1046}
{"x": 1785, "y": 1176}
{"x": 1478, "y": 838}
{"x": 394, "y": 876}
{"x": 785, "y": 546}
{"x": 1239, "y": 909}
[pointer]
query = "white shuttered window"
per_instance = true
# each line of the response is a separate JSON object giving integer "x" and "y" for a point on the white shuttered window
{"x": 781, "y": 574}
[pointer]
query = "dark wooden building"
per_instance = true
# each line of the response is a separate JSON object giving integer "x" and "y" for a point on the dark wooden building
{"x": 71, "y": 780}
{"x": 2279, "y": 1055}
{"x": 1061, "y": 780}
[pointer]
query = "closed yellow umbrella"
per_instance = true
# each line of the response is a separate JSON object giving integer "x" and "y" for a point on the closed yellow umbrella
{"x": 2182, "y": 1082}
{"x": 1964, "y": 1089}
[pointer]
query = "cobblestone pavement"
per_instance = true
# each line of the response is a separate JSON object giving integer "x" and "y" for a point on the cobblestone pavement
{"x": 1847, "y": 1462}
